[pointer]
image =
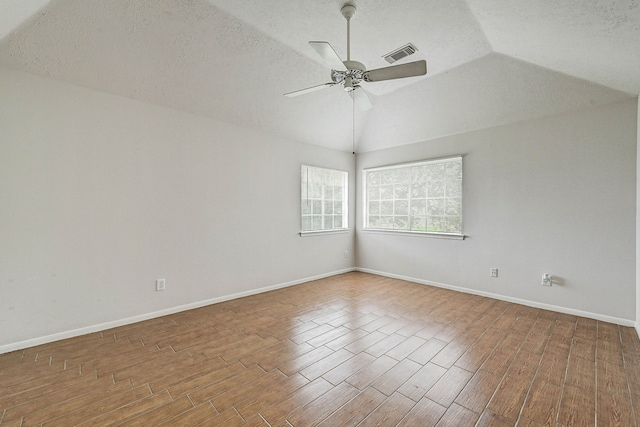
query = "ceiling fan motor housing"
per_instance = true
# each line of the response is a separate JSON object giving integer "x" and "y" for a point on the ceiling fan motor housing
{"x": 353, "y": 76}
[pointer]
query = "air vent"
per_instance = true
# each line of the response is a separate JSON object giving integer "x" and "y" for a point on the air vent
{"x": 398, "y": 54}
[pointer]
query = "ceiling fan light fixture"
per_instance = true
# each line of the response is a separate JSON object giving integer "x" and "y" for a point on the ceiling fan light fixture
{"x": 348, "y": 84}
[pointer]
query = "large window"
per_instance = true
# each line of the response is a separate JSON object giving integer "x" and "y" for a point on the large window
{"x": 324, "y": 199}
{"x": 415, "y": 197}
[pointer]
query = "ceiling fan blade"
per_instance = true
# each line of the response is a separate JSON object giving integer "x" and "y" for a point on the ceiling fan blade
{"x": 360, "y": 98}
{"x": 309, "y": 89}
{"x": 418, "y": 68}
{"x": 329, "y": 55}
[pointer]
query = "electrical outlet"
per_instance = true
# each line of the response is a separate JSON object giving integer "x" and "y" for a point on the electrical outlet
{"x": 547, "y": 279}
{"x": 493, "y": 272}
{"x": 346, "y": 254}
{"x": 160, "y": 284}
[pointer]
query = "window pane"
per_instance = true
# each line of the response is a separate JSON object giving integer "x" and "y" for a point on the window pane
{"x": 374, "y": 192}
{"x": 386, "y": 192}
{"x": 435, "y": 171}
{"x": 435, "y": 207}
{"x": 328, "y": 222}
{"x": 419, "y": 190}
{"x": 328, "y": 192}
{"x": 316, "y": 190}
{"x": 435, "y": 223}
{"x": 435, "y": 188}
{"x": 418, "y": 223}
{"x": 419, "y": 174}
{"x": 453, "y": 169}
{"x": 418, "y": 207}
{"x": 336, "y": 178}
{"x": 316, "y": 207}
{"x": 306, "y": 223}
{"x": 374, "y": 178}
{"x": 401, "y": 191}
{"x": 386, "y": 208}
{"x": 328, "y": 207}
{"x": 374, "y": 208}
{"x": 453, "y": 224}
{"x": 324, "y": 198}
{"x": 317, "y": 222}
{"x": 386, "y": 222}
{"x": 454, "y": 188}
{"x": 401, "y": 223}
{"x": 337, "y": 193}
{"x": 453, "y": 207}
{"x": 387, "y": 177}
{"x": 401, "y": 207}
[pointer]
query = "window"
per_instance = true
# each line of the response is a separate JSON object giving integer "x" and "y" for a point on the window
{"x": 423, "y": 197}
{"x": 324, "y": 199}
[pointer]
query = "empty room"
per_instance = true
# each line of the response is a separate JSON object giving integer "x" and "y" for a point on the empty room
{"x": 335, "y": 212}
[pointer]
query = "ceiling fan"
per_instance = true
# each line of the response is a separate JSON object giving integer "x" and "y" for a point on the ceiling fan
{"x": 351, "y": 73}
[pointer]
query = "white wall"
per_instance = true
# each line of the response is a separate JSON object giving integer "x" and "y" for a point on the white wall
{"x": 554, "y": 195}
{"x": 101, "y": 195}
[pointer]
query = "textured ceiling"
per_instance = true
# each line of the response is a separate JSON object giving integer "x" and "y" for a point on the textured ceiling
{"x": 490, "y": 62}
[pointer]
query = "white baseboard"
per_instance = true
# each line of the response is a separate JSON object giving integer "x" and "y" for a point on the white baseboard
{"x": 596, "y": 316}
{"x": 129, "y": 320}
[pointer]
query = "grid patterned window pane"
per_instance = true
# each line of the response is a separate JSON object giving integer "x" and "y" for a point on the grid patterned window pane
{"x": 421, "y": 197}
{"x": 324, "y": 199}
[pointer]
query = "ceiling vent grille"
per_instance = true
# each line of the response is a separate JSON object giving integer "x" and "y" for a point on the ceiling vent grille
{"x": 398, "y": 54}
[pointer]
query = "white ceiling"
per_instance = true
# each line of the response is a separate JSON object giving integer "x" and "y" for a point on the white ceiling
{"x": 490, "y": 62}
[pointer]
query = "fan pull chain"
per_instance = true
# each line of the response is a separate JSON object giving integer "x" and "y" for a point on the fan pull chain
{"x": 353, "y": 136}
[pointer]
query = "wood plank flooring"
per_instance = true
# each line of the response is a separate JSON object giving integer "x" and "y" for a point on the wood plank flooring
{"x": 354, "y": 349}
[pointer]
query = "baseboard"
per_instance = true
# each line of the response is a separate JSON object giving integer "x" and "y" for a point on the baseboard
{"x": 596, "y": 316}
{"x": 129, "y": 320}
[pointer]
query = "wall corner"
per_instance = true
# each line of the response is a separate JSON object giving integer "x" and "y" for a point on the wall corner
{"x": 638, "y": 221}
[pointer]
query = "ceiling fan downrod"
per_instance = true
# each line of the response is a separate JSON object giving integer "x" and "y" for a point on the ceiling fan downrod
{"x": 354, "y": 70}
{"x": 348, "y": 11}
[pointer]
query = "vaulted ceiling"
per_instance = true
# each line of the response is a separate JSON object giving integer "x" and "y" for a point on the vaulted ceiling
{"x": 490, "y": 62}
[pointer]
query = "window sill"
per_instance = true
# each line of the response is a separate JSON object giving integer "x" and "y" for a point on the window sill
{"x": 322, "y": 232}
{"x": 452, "y": 236}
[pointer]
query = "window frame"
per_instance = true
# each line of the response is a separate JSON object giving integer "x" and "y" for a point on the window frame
{"x": 437, "y": 234}
{"x": 304, "y": 196}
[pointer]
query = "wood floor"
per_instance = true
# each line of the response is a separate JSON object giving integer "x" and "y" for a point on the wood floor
{"x": 354, "y": 349}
